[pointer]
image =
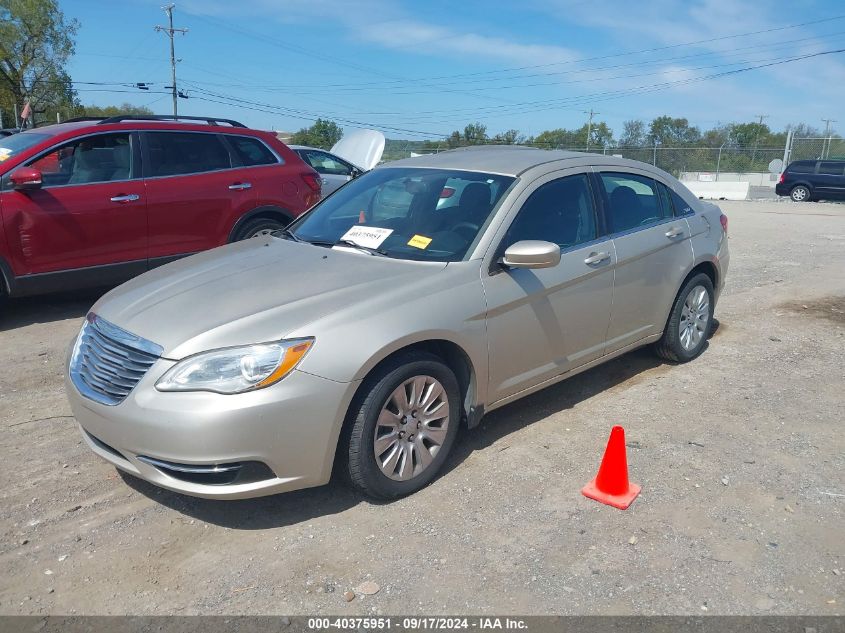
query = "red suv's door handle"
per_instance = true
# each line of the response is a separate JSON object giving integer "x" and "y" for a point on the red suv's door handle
{"x": 240, "y": 185}
{"x": 130, "y": 197}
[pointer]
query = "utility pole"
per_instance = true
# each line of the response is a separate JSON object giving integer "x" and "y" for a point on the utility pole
{"x": 590, "y": 126}
{"x": 170, "y": 32}
{"x": 827, "y": 135}
{"x": 757, "y": 137}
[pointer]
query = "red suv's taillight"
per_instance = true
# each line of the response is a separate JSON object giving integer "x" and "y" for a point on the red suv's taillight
{"x": 782, "y": 177}
{"x": 724, "y": 221}
{"x": 313, "y": 181}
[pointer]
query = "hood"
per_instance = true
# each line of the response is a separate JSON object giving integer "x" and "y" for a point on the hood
{"x": 253, "y": 291}
{"x": 362, "y": 148}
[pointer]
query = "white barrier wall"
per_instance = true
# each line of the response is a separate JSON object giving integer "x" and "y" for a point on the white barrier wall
{"x": 720, "y": 190}
{"x": 755, "y": 179}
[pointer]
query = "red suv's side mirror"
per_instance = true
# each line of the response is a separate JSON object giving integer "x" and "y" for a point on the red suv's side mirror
{"x": 25, "y": 178}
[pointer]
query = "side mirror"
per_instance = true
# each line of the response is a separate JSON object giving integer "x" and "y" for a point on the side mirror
{"x": 355, "y": 173}
{"x": 532, "y": 254}
{"x": 25, "y": 178}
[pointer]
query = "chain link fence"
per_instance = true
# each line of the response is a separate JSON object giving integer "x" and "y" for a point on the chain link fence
{"x": 677, "y": 160}
{"x": 817, "y": 148}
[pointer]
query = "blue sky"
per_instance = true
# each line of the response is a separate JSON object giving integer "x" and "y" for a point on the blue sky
{"x": 421, "y": 69}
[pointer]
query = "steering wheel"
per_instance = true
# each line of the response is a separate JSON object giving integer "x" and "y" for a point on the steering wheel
{"x": 467, "y": 230}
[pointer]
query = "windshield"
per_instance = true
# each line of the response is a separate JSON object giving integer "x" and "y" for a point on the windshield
{"x": 406, "y": 213}
{"x": 16, "y": 143}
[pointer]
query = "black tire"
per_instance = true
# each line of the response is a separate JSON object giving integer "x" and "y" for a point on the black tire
{"x": 800, "y": 193}
{"x": 251, "y": 227}
{"x": 357, "y": 452}
{"x": 670, "y": 346}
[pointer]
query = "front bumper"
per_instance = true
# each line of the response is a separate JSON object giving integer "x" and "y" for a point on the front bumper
{"x": 291, "y": 428}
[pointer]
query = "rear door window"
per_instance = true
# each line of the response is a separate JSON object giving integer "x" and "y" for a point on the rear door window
{"x": 802, "y": 167}
{"x": 633, "y": 201}
{"x": 98, "y": 158}
{"x": 251, "y": 151}
{"x": 178, "y": 153}
{"x": 832, "y": 168}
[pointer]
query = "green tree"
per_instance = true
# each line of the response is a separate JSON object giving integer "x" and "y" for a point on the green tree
{"x": 475, "y": 134}
{"x": 633, "y": 133}
{"x": 323, "y": 134}
{"x": 106, "y": 111}
{"x": 749, "y": 134}
{"x": 669, "y": 132}
{"x": 508, "y": 137}
{"x": 36, "y": 42}
{"x": 557, "y": 138}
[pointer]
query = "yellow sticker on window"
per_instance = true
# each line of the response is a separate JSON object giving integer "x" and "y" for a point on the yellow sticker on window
{"x": 419, "y": 241}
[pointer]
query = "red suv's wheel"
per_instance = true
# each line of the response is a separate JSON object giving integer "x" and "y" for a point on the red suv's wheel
{"x": 259, "y": 227}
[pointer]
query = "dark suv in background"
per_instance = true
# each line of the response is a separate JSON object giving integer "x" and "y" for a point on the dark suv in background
{"x": 95, "y": 202}
{"x": 805, "y": 180}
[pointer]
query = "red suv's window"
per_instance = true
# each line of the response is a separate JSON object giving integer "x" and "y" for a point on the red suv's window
{"x": 174, "y": 153}
{"x": 98, "y": 158}
{"x": 251, "y": 151}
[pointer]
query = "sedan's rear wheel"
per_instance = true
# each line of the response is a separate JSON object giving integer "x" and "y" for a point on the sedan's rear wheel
{"x": 689, "y": 322}
{"x": 403, "y": 426}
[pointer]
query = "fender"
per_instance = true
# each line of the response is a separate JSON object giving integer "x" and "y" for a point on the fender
{"x": 700, "y": 259}
{"x": 472, "y": 383}
{"x": 266, "y": 210}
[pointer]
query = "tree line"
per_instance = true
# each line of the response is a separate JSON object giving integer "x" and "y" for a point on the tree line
{"x": 663, "y": 131}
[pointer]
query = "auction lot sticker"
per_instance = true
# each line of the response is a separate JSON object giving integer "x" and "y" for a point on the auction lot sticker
{"x": 368, "y": 236}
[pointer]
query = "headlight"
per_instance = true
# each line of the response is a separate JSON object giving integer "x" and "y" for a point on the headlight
{"x": 236, "y": 369}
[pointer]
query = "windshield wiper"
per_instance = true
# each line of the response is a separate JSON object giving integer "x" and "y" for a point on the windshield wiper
{"x": 287, "y": 233}
{"x": 366, "y": 249}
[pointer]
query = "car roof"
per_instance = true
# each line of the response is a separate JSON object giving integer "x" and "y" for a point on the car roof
{"x": 57, "y": 129}
{"x": 510, "y": 160}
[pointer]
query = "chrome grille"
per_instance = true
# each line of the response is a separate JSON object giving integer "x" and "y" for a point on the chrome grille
{"x": 108, "y": 361}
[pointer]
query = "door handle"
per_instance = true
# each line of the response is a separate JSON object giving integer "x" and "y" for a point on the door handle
{"x": 596, "y": 258}
{"x": 674, "y": 232}
{"x": 130, "y": 197}
{"x": 239, "y": 186}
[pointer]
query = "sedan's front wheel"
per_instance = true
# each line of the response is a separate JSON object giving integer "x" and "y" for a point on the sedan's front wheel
{"x": 689, "y": 322}
{"x": 403, "y": 426}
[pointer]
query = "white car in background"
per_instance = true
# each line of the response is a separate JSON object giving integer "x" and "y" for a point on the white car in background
{"x": 350, "y": 157}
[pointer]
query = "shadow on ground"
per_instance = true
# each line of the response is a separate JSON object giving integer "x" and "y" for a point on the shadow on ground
{"x": 15, "y": 313}
{"x": 301, "y": 506}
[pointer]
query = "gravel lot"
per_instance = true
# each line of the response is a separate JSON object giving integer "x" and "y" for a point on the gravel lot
{"x": 740, "y": 455}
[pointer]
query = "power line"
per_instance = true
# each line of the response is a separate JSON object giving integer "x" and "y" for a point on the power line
{"x": 532, "y": 106}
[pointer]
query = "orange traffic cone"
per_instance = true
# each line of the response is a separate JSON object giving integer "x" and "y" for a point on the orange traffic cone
{"x": 611, "y": 484}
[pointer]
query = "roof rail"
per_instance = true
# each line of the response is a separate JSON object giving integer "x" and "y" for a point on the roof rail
{"x": 78, "y": 119}
{"x": 167, "y": 117}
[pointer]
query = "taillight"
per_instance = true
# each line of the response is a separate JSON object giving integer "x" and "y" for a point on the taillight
{"x": 447, "y": 192}
{"x": 724, "y": 221}
{"x": 782, "y": 177}
{"x": 313, "y": 181}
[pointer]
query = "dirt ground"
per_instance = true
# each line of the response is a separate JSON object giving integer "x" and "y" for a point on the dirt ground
{"x": 740, "y": 455}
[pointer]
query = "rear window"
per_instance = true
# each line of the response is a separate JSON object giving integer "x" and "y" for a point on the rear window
{"x": 834, "y": 168}
{"x": 175, "y": 153}
{"x": 251, "y": 151}
{"x": 804, "y": 167}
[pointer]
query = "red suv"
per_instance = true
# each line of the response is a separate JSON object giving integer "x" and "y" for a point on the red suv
{"x": 95, "y": 202}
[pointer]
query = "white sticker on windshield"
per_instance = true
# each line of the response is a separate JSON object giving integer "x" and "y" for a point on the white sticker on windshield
{"x": 369, "y": 236}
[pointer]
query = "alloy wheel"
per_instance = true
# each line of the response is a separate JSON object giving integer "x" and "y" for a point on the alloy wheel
{"x": 411, "y": 428}
{"x": 695, "y": 317}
